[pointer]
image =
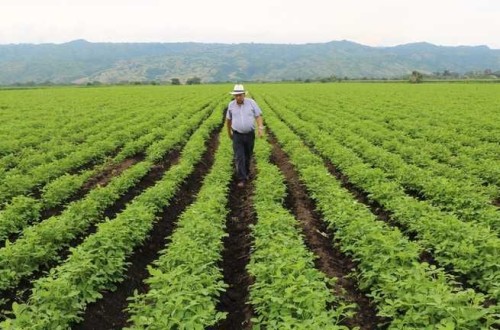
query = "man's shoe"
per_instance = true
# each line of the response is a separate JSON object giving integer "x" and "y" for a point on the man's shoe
{"x": 241, "y": 184}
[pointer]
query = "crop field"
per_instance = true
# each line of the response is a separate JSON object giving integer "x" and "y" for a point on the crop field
{"x": 370, "y": 206}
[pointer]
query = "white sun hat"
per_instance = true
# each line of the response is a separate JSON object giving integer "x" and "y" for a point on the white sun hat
{"x": 238, "y": 89}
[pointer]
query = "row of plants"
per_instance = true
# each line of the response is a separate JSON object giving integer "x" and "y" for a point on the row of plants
{"x": 456, "y": 195}
{"x": 111, "y": 116}
{"x": 41, "y": 243}
{"x": 436, "y": 156}
{"x": 58, "y": 147}
{"x": 461, "y": 115}
{"x": 424, "y": 155}
{"x": 24, "y": 210}
{"x": 444, "y": 132}
{"x": 37, "y": 120}
{"x": 470, "y": 250}
{"x": 469, "y": 201}
{"x": 14, "y": 183}
{"x": 417, "y": 151}
{"x": 142, "y": 119}
{"x": 288, "y": 291}
{"x": 98, "y": 263}
{"x": 448, "y": 123}
{"x": 62, "y": 142}
{"x": 412, "y": 294}
{"x": 185, "y": 282}
{"x": 30, "y": 130}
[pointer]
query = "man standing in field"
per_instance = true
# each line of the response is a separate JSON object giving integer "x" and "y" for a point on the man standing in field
{"x": 241, "y": 116}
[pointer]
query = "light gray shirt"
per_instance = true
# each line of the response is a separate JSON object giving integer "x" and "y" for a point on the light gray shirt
{"x": 243, "y": 116}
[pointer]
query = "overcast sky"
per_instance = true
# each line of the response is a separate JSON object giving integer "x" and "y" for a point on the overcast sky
{"x": 370, "y": 22}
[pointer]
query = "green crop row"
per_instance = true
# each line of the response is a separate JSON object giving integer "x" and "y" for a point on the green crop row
{"x": 421, "y": 152}
{"x": 124, "y": 121}
{"x": 453, "y": 124}
{"x": 455, "y": 195}
{"x": 186, "y": 281}
{"x": 470, "y": 249}
{"x": 460, "y": 116}
{"x": 288, "y": 292}
{"x": 93, "y": 266}
{"x": 14, "y": 183}
{"x": 26, "y": 210}
{"x": 41, "y": 243}
{"x": 413, "y": 295}
{"x": 37, "y": 133}
{"x": 36, "y": 121}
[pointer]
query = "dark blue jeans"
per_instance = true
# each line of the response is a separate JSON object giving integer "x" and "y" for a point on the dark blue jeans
{"x": 243, "y": 150}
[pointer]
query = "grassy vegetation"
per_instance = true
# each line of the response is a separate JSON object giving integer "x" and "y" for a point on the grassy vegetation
{"x": 405, "y": 177}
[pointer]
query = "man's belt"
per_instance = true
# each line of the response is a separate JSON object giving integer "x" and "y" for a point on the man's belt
{"x": 235, "y": 131}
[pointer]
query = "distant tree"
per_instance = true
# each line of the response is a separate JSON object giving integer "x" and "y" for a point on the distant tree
{"x": 175, "y": 81}
{"x": 416, "y": 77}
{"x": 94, "y": 83}
{"x": 193, "y": 81}
{"x": 331, "y": 78}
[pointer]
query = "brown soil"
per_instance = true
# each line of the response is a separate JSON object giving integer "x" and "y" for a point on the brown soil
{"x": 100, "y": 179}
{"x": 23, "y": 290}
{"x": 103, "y": 178}
{"x": 236, "y": 256}
{"x": 109, "y": 312}
{"x": 320, "y": 240}
{"x": 496, "y": 202}
{"x": 415, "y": 193}
{"x": 97, "y": 161}
{"x": 18, "y": 295}
{"x": 154, "y": 174}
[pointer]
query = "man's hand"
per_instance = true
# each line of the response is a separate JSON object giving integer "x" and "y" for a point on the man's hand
{"x": 229, "y": 129}
{"x": 260, "y": 132}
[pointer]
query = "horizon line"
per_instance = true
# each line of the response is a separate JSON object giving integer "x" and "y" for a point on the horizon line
{"x": 241, "y": 43}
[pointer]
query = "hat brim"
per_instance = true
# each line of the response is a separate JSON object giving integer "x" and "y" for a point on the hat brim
{"x": 237, "y": 92}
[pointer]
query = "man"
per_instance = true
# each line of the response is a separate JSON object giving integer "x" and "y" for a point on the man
{"x": 241, "y": 116}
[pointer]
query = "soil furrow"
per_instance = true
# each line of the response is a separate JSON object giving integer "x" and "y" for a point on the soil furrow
{"x": 101, "y": 179}
{"x": 109, "y": 312}
{"x": 382, "y": 214}
{"x": 320, "y": 240}
{"x": 154, "y": 174}
{"x": 21, "y": 293}
{"x": 496, "y": 202}
{"x": 236, "y": 256}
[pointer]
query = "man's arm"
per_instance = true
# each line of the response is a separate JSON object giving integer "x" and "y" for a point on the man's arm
{"x": 229, "y": 121}
{"x": 229, "y": 130}
{"x": 260, "y": 126}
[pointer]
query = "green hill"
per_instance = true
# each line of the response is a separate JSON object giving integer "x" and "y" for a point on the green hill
{"x": 80, "y": 61}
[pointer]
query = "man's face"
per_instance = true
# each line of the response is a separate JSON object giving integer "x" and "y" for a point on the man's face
{"x": 239, "y": 98}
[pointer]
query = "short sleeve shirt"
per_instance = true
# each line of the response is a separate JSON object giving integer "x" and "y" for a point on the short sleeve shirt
{"x": 243, "y": 116}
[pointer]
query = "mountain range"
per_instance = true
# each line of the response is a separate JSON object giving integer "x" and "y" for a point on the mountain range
{"x": 81, "y": 61}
